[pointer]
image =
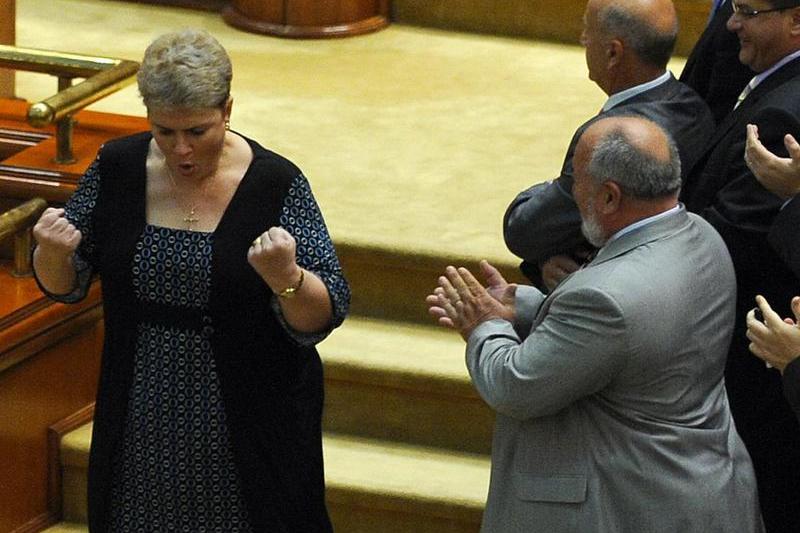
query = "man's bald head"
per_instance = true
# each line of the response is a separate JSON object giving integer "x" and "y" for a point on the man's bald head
{"x": 633, "y": 152}
{"x": 649, "y": 28}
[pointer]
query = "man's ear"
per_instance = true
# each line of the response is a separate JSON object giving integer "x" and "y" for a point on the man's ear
{"x": 610, "y": 198}
{"x": 614, "y": 52}
{"x": 795, "y": 23}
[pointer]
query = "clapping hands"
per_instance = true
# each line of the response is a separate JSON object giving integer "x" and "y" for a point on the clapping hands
{"x": 775, "y": 340}
{"x": 460, "y": 302}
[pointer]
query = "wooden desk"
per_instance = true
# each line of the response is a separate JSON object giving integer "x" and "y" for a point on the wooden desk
{"x": 308, "y": 18}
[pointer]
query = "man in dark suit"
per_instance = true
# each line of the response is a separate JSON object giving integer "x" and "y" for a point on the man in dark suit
{"x": 628, "y": 44}
{"x": 723, "y": 189}
{"x": 713, "y": 68}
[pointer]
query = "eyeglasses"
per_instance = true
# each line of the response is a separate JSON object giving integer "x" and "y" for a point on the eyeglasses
{"x": 745, "y": 11}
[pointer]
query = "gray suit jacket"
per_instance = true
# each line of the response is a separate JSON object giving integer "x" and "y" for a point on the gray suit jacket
{"x": 612, "y": 414}
{"x": 544, "y": 221}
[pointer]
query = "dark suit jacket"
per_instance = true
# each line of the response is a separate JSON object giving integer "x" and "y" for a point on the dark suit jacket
{"x": 791, "y": 385}
{"x": 784, "y": 237}
{"x": 544, "y": 221}
{"x": 724, "y": 191}
{"x": 713, "y": 68}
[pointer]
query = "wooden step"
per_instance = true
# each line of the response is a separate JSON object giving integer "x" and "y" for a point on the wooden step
{"x": 403, "y": 382}
{"x": 372, "y": 486}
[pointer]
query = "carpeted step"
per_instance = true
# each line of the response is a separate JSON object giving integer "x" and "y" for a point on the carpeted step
{"x": 67, "y": 527}
{"x": 393, "y": 284}
{"x": 373, "y": 486}
{"x": 379, "y": 487}
{"x": 403, "y": 382}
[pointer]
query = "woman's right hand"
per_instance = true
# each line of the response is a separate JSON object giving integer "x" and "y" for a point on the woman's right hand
{"x": 55, "y": 235}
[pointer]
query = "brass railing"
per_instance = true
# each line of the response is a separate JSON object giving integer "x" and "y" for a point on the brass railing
{"x": 103, "y": 76}
{"x": 19, "y": 223}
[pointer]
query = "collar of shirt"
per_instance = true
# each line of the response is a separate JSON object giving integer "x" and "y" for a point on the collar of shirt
{"x": 644, "y": 222}
{"x": 758, "y": 78}
{"x": 617, "y": 98}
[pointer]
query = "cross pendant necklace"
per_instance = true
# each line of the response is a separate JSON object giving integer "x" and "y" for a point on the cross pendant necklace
{"x": 190, "y": 218}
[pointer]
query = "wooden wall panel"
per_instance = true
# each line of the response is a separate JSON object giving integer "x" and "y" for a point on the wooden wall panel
{"x": 307, "y": 18}
{"x": 49, "y": 365}
{"x": 7, "y": 36}
{"x": 556, "y": 20}
{"x": 262, "y": 10}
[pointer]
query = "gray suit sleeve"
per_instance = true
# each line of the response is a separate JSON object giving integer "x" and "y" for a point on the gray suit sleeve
{"x": 577, "y": 349}
{"x": 527, "y": 302}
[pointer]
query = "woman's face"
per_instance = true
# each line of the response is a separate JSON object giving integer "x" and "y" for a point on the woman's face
{"x": 190, "y": 139}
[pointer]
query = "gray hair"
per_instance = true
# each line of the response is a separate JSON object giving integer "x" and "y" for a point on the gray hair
{"x": 654, "y": 47}
{"x": 638, "y": 173}
{"x": 188, "y": 68}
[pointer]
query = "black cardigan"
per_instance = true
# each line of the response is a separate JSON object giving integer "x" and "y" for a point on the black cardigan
{"x": 271, "y": 386}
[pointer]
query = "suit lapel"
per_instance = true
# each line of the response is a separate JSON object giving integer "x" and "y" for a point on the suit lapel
{"x": 734, "y": 118}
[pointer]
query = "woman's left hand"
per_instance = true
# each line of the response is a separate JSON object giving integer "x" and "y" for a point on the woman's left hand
{"x": 272, "y": 255}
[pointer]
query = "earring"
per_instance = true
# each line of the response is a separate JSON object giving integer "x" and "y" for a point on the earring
{"x": 227, "y": 124}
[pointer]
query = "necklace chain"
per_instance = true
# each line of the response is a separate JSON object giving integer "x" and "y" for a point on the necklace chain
{"x": 191, "y": 217}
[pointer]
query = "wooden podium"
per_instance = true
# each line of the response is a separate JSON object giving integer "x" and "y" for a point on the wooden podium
{"x": 308, "y": 18}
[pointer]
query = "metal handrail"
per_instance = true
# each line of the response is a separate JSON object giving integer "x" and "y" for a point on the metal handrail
{"x": 103, "y": 76}
{"x": 19, "y": 222}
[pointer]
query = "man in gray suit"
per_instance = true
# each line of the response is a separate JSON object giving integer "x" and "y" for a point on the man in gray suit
{"x": 612, "y": 414}
{"x": 628, "y": 44}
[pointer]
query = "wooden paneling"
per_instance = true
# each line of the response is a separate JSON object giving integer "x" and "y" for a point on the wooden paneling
{"x": 7, "y": 36}
{"x": 556, "y": 20}
{"x": 203, "y": 5}
{"x": 49, "y": 365}
{"x": 308, "y": 18}
{"x": 261, "y": 10}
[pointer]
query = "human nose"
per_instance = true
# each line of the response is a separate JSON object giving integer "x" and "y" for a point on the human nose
{"x": 182, "y": 145}
{"x": 734, "y": 22}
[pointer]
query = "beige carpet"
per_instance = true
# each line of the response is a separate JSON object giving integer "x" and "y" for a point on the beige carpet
{"x": 413, "y": 139}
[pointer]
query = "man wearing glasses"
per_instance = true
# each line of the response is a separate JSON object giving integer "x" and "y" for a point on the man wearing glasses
{"x": 713, "y": 68}
{"x": 723, "y": 189}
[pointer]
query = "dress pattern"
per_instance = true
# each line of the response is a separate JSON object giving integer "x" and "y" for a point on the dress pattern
{"x": 175, "y": 470}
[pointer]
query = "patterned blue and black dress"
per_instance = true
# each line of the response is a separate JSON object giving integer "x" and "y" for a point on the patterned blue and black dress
{"x": 175, "y": 469}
